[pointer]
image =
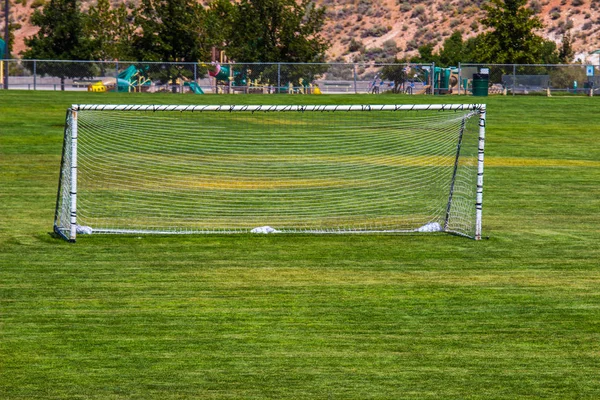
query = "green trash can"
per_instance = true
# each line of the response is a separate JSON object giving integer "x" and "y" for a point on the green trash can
{"x": 480, "y": 84}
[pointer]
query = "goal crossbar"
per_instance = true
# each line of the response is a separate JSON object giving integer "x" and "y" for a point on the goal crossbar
{"x": 273, "y": 108}
{"x": 187, "y": 169}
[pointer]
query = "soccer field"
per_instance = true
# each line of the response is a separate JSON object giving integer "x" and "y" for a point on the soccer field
{"x": 311, "y": 317}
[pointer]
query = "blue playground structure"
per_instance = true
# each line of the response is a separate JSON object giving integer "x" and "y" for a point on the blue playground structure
{"x": 444, "y": 79}
{"x": 132, "y": 78}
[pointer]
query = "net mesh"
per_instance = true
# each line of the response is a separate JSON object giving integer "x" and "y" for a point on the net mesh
{"x": 296, "y": 171}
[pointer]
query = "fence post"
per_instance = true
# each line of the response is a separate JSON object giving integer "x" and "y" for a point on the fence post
{"x": 34, "y": 74}
{"x": 6, "y": 54}
{"x": 278, "y": 78}
{"x": 459, "y": 78}
{"x": 355, "y": 77}
{"x": 514, "y": 79}
{"x": 6, "y": 66}
{"x": 433, "y": 79}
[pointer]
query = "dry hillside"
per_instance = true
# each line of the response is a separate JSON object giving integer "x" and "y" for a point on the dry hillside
{"x": 384, "y": 28}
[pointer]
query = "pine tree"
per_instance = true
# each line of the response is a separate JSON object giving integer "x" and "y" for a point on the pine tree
{"x": 566, "y": 52}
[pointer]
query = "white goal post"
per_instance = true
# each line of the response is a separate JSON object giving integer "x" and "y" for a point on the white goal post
{"x": 180, "y": 169}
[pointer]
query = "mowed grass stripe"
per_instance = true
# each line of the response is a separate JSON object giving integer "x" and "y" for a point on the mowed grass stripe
{"x": 538, "y": 162}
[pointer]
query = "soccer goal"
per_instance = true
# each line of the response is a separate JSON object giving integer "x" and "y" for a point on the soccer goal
{"x": 177, "y": 169}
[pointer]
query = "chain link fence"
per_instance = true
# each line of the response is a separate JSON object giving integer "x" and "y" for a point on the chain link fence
{"x": 513, "y": 79}
{"x": 297, "y": 78}
{"x": 200, "y": 78}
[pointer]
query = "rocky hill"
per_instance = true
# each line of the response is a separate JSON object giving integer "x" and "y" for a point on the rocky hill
{"x": 408, "y": 24}
{"x": 382, "y": 29}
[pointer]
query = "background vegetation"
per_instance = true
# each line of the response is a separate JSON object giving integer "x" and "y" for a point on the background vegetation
{"x": 268, "y": 31}
{"x": 300, "y": 316}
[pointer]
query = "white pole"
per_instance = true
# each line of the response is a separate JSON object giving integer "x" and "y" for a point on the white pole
{"x": 73, "y": 192}
{"x": 479, "y": 202}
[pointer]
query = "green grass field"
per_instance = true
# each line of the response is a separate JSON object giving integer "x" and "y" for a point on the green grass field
{"x": 311, "y": 317}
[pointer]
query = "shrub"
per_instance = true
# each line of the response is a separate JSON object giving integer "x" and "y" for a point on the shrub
{"x": 412, "y": 45}
{"x": 356, "y": 45}
{"x": 376, "y": 31}
{"x": 569, "y": 24}
{"x": 390, "y": 47}
{"x": 536, "y": 6}
{"x": 37, "y": 4}
{"x": 419, "y": 10}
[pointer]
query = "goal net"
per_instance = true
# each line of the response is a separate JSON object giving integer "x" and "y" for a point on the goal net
{"x": 308, "y": 169}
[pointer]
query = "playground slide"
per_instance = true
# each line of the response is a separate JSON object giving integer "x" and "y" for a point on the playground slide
{"x": 194, "y": 87}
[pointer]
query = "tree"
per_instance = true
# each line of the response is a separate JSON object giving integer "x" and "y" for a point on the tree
{"x": 277, "y": 31}
{"x": 566, "y": 52}
{"x": 454, "y": 50}
{"x": 512, "y": 39}
{"x": 220, "y": 22}
{"x": 396, "y": 72}
{"x": 12, "y": 27}
{"x": 109, "y": 31}
{"x": 426, "y": 55}
{"x": 171, "y": 31}
{"x": 60, "y": 37}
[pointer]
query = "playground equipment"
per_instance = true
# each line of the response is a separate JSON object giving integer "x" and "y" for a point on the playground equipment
{"x": 194, "y": 87}
{"x": 227, "y": 80}
{"x": 303, "y": 87}
{"x": 445, "y": 80}
{"x": 230, "y": 80}
{"x": 97, "y": 87}
{"x": 379, "y": 85}
{"x": 132, "y": 79}
{"x": 2, "y": 53}
{"x": 373, "y": 87}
